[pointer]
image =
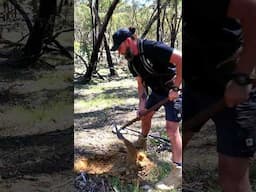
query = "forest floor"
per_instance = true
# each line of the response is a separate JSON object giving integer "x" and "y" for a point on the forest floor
{"x": 99, "y": 154}
{"x": 36, "y": 130}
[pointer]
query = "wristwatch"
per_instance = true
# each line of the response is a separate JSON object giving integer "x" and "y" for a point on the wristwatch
{"x": 176, "y": 89}
{"x": 241, "y": 79}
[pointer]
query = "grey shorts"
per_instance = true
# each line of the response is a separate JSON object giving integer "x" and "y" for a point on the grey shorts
{"x": 235, "y": 127}
{"x": 173, "y": 109}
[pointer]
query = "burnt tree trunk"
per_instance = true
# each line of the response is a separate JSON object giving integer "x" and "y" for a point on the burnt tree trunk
{"x": 162, "y": 25}
{"x": 42, "y": 29}
{"x": 92, "y": 22}
{"x": 109, "y": 58}
{"x": 60, "y": 6}
{"x": 158, "y": 21}
{"x": 95, "y": 27}
{"x": 175, "y": 23}
{"x": 94, "y": 55}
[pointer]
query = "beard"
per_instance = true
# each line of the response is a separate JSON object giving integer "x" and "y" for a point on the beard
{"x": 128, "y": 55}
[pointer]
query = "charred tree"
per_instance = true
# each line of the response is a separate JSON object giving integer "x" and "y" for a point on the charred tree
{"x": 112, "y": 71}
{"x": 175, "y": 24}
{"x": 42, "y": 30}
{"x": 94, "y": 55}
{"x": 60, "y": 6}
{"x": 107, "y": 50}
{"x": 158, "y": 20}
{"x": 162, "y": 25}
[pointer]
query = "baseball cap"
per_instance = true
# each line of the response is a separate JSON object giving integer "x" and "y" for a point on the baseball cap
{"x": 119, "y": 36}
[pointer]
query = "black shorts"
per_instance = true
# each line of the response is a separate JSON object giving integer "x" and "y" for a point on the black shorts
{"x": 235, "y": 127}
{"x": 172, "y": 108}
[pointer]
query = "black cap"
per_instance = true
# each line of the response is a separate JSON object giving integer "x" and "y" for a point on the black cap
{"x": 121, "y": 35}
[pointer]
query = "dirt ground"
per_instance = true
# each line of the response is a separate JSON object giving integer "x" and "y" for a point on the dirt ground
{"x": 200, "y": 161}
{"x": 36, "y": 131}
{"x": 100, "y": 155}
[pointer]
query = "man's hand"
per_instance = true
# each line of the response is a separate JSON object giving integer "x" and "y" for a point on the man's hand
{"x": 236, "y": 94}
{"x": 173, "y": 95}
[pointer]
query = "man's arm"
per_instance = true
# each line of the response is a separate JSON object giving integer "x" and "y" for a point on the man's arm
{"x": 142, "y": 94}
{"x": 245, "y": 11}
{"x": 176, "y": 59}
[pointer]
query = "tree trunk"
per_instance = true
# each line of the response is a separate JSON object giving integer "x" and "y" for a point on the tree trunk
{"x": 94, "y": 55}
{"x": 95, "y": 27}
{"x": 109, "y": 59}
{"x": 162, "y": 26}
{"x": 158, "y": 20}
{"x": 174, "y": 24}
{"x": 42, "y": 29}
{"x": 60, "y": 6}
{"x": 92, "y": 22}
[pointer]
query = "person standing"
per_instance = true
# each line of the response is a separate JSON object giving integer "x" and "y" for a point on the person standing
{"x": 159, "y": 67}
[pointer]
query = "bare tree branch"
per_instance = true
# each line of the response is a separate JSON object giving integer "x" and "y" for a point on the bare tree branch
{"x": 153, "y": 19}
{"x": 23, "y": 13}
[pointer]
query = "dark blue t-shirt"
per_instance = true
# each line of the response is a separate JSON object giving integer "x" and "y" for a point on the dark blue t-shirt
{"x": 153, "y": 65}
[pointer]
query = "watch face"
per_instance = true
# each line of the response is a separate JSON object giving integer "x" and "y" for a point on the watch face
{"x": 242, "y": 79}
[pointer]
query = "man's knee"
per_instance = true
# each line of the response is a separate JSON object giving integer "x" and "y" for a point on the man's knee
{"x": 148, "y": 117}
{"x": 172, "y": 128}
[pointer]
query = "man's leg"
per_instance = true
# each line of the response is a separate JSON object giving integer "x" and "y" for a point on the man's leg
{"x": 141, "y": 143}
{"x": 174, "y": 179}
{"x": 236, "y": 144}
{"x": 146, "y": 123}
{"x": 175, "y": 138}
{"x": 234, "y": 174}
